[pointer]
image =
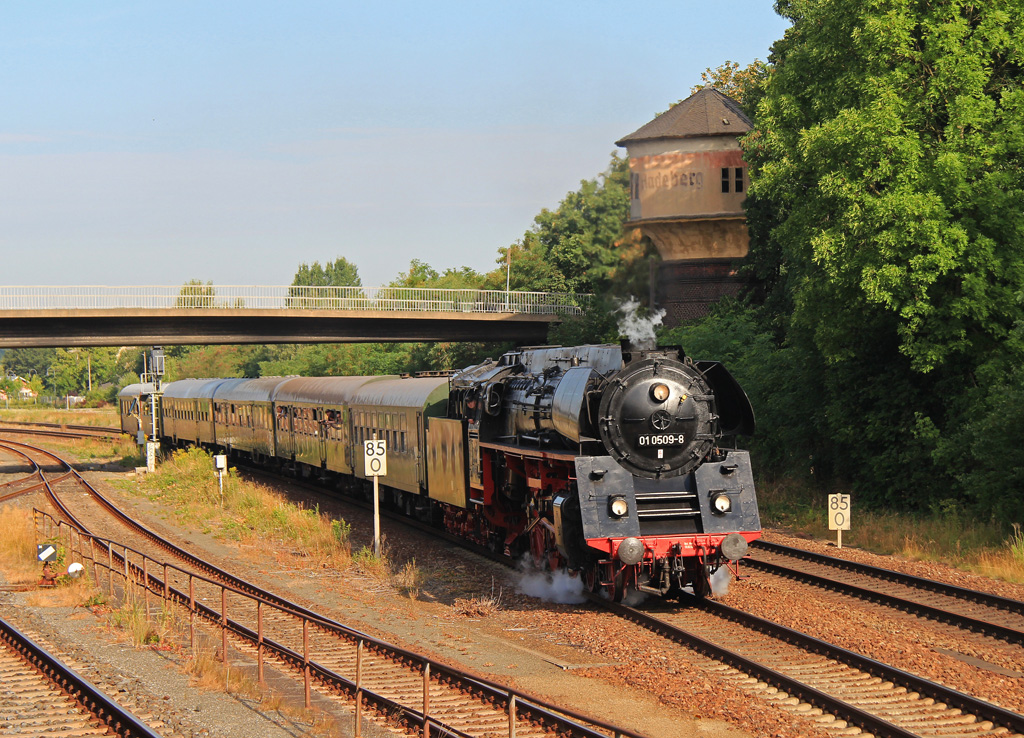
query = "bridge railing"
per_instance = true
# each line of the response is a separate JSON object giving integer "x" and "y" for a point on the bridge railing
{"x": 236, "y": 297}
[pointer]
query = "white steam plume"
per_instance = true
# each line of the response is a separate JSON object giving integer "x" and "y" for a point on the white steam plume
{"x": 550, "y": 586}
{"x": 638, "y": 330}
{"x": 720, "y": 581}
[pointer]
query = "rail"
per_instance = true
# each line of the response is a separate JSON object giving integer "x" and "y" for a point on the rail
{"x": 134, "y": 570}
{"x": 241, "y": 297}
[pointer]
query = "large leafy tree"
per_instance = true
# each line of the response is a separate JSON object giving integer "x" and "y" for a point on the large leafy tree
{"x": 890, "y": 140}
{"x": 581, "y": 245}
{"x": 745, "y": 85}
{"x": 888, "y": 226}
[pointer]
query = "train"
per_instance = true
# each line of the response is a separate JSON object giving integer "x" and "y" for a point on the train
{"x": 606, "y": 461}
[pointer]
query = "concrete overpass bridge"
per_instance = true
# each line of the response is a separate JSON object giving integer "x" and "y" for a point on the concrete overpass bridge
{"x": 229, "y": 314}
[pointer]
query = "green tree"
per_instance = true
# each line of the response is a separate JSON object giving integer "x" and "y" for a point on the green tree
{"x": 745, "y": 86}
{"x": 338, "y": 273}
{"x": 891, "y": 138}
{"x": 577, "y": 247}
{"x": 28, "y": 361}
{"x": 887, "y": 222}
{"x": 312, "y": 286}
{"x": 196, "y": 294}
{"x": 10, "y": 388}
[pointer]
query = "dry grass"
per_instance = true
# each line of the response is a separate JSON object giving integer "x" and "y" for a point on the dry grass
{"x": 105, "y": 417}
{"x": 247, "y": 512}
{"x": 408, "y": 578}
{"x": 18, "y": 560}
{"x": 19, "y": 564}
{"x": 68, "y": 593}
{"x": 95, "y": 450}
{"x": 143, "y": 627}
{"x": 948, "y": 533}
{"x": 210, "y": 673}
{"x": 477, "y": 607}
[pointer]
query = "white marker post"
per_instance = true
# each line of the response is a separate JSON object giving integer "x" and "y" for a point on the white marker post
{"x": 839, "y": 516}
{"x": 375, "y": 464}
{"x": 220, "y": 463}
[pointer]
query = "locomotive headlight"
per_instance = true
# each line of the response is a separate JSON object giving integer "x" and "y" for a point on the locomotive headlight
{"x": 618, "y": 507}
{"x": 660, "y": 392}
{"x": 722, "y": 503}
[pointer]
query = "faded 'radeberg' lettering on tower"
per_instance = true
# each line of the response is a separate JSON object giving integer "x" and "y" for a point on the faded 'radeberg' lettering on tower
{"x": 688, "y": 184}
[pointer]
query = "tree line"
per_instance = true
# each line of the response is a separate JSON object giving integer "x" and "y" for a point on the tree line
{"x": 882, "y": 328}
{"x": 880, "y": 333}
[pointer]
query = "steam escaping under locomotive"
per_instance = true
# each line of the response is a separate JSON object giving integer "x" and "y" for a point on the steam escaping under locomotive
{"x": 601, "y": 460}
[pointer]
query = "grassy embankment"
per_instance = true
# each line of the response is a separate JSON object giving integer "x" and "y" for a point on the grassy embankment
{"x": 102, "y": 417}
{"x": 121, "y": 451}
{"x": 946, "y": 534}
{"x": 186, "y": 486}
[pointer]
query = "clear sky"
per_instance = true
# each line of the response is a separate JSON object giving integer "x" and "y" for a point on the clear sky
{"x": 153, "y": 143}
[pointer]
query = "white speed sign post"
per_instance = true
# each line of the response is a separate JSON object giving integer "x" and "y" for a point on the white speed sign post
{"x": 839, "y": 516}
{"x": 375, "y": 464}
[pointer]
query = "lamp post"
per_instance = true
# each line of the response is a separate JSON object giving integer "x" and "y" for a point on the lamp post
{"x": 508, "y": 277}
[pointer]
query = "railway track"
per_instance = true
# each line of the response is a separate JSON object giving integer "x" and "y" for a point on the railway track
{"x": 850, "y": 692}
{"x": 25, "y": 484}
{"x": 791, "y": 669}
{"x": 842, "y": 690}
{"x": 340, "y": 660}
{"x": 970, "y": 610}
{"x": 58, "y": 430}
{"x": 41, "y": 696}
{"x": 785, "y": 666}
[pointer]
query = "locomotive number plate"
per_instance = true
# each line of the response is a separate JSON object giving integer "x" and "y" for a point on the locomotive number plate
{"x": 667, "y": 439}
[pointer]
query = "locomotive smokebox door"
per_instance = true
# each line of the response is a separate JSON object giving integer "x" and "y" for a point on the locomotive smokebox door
{"x": 607, "y": 499}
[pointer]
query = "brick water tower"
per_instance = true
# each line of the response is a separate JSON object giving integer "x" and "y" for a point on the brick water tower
{"x": 688, "y": 183}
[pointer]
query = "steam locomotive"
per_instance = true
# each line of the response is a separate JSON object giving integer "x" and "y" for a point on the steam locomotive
{"x": 601, "y": 460}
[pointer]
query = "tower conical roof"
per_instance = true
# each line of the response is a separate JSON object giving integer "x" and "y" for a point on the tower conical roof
{"x": 706, "y": 112}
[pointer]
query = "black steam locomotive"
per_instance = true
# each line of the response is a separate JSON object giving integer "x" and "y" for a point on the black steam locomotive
{"x": 596, "y": 459}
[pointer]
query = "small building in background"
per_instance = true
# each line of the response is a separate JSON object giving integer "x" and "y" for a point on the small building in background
{"x": 688, "y": 183}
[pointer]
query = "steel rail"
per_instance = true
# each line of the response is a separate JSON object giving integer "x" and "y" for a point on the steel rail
{"x": 851, "y": 713}
{"x": 77, "y": 435}
{"x": 1011, "y": 635}
{"x": 36, "y": 473}
{"x": 879, "y": 726}
{"x": 119, "y": 720}
{"x": 975, "y": 706}
{"x": 526, "y": 703}
{"x": 982, "y": 598}
{"x": 83, "y": 430}
{"x": 863, "y": 719}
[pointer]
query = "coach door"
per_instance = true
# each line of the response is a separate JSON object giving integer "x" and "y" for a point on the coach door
{"x": 321, "y": 424}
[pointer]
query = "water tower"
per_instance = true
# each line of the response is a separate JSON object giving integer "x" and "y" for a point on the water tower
{"x": 687, "y": 186}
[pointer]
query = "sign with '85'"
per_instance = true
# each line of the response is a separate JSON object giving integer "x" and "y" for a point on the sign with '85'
{"x": 375, "y": 457}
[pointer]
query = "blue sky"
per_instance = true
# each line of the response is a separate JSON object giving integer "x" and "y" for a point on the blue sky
{"x": 153, "y": 143}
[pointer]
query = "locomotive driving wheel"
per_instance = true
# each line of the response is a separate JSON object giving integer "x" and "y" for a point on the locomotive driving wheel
{"x": 623, "y": 581}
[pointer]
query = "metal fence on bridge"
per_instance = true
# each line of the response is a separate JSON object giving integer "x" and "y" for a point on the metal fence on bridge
{"x": 234, "y": 297}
